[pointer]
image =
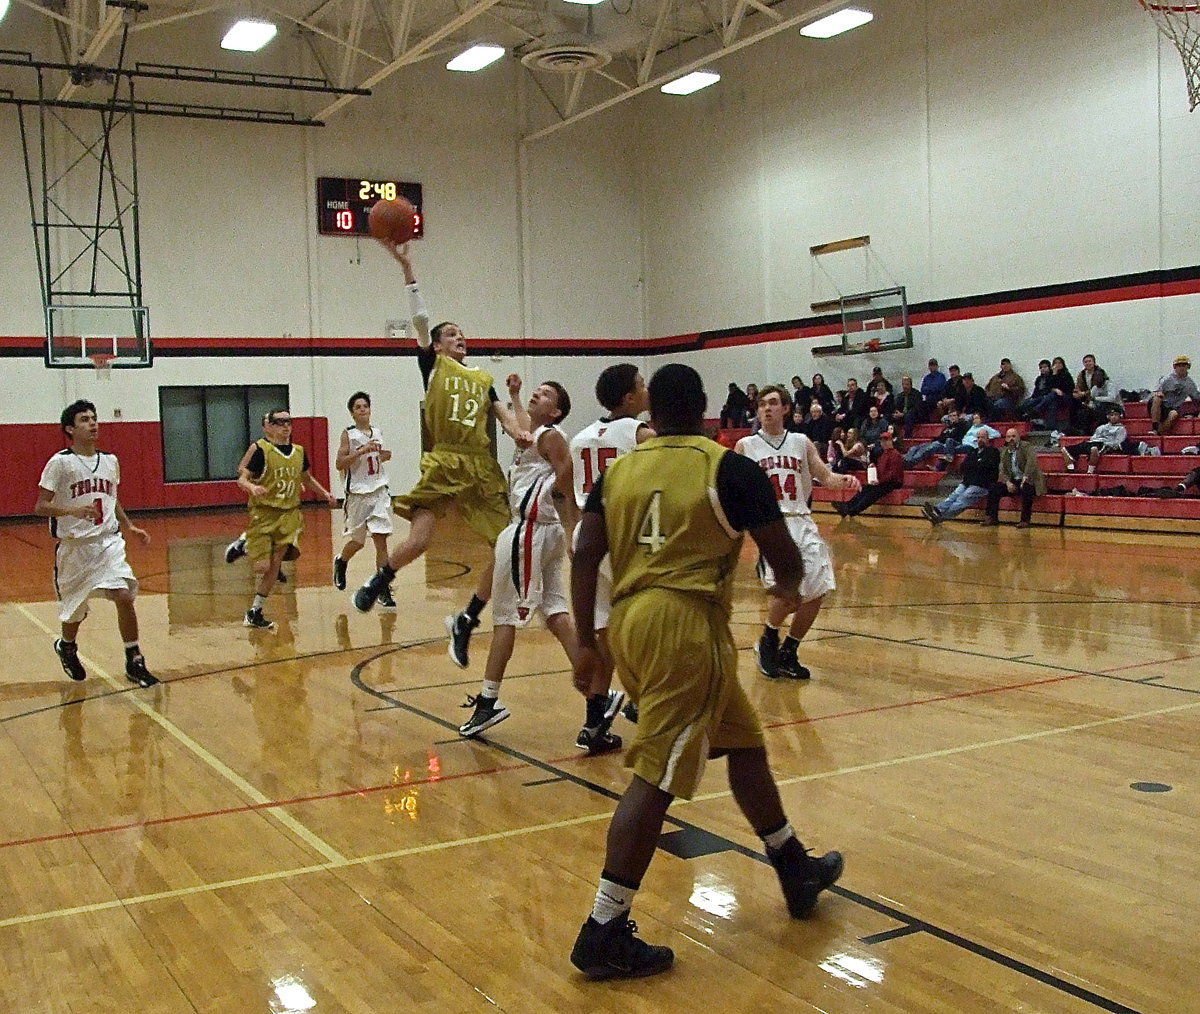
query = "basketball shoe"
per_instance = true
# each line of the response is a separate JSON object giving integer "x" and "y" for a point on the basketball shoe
{"x": 385, "y": 599}
{"x": 236, "y": 549}
{"x": 596, "y": 743}
{"x": 488, "y": 712}
{"x": 136, "y": 671}
{"x": 788, "y": 667}
{"x": 804, "y": 877}
{"x": 254, "y": 619}
{"x": 369, "y": 593}
{"x": 339, "y": 573}
{"x": 610, "y": 950}
{"x": 767, "y": 652}
{"x": 68, "y": 655}
{"x": 460, "y": 628}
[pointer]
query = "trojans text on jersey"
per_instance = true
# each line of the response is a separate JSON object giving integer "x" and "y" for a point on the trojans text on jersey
{"x": 785, "y": 461}
{"x": 93, "y": 484}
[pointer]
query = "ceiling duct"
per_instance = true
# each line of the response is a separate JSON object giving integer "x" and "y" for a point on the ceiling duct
{"x": 565, "y": 55}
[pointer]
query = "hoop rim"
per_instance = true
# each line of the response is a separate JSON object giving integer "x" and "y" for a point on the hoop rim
{"x": 102, "y": 360}
{"x": 1170, "y": 8}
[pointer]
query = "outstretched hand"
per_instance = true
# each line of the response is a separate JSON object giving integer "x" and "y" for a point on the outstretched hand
{"x": 513, "y": 382}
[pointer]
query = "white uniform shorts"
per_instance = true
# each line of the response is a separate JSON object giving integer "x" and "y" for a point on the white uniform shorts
{"x": 818, "y": 564}
{"x": 604, "y": 582}
{"x": 529, "y": 573}
{"x": 84, "y": 567}
{"x": 368, "y": 513}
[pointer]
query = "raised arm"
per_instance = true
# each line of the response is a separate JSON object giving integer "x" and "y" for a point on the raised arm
{"x": 519, "y": 411}
{"x": 552, "y": 446}
{"x": 416, "y": 304}
{"x": 510, "y": 425}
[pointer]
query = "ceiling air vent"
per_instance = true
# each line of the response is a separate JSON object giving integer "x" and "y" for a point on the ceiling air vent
{"x": 566, "y": 57}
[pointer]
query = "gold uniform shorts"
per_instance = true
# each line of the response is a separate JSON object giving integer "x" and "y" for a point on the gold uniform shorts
{"x": 676, "y": 658}
{"x": 271, "y": 527}
{"x": 473, "y": 482}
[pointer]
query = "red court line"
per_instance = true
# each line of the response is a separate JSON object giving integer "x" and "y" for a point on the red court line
{"x": 1139, "y": 665}
{"x": 250, "y": 807}
{"x": 926, "y": 700}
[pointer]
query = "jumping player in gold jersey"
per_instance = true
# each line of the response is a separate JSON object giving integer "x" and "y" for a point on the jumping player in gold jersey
{"x": 459, "y": 469}
{"x": 672, "y": 513}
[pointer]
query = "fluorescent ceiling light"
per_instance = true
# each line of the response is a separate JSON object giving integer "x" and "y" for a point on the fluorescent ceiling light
{"x": 249, "y": 36}
{"x": 585, "y": 3}
{"x": 476, "y": 58}
{"x": 836, "y": 23}
{"x": 692, "y": 82}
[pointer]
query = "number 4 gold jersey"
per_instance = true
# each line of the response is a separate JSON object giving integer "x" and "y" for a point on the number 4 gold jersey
{"x": 666, "y": 528}
{"x": 457, "y": 401}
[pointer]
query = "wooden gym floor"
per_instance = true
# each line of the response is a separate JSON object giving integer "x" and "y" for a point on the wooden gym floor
{"x": 290, "y": 822}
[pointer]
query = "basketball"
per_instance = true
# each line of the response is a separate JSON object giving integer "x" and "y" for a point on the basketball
{"x": 873, "y": 345}
{"x": 392, "y": 220}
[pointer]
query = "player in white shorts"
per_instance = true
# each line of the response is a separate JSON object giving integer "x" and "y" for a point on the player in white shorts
{"x": 78, "y": 493}
{"x": 791, "y": 461}
{"x": 530, "y": 552}
{"x": 622, "y": 392}
{"x": 368, "y": 505}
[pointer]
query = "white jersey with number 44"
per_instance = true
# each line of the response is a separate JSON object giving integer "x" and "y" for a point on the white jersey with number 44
{"x": 785, "y": 460}
{"x": 596, "y": 446}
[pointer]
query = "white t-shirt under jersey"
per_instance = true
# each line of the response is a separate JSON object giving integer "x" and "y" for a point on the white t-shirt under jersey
{"x": 531, "y": 484}
{"x": 785, "y": 460}
{"x": 594, "y": 447}
{"x": 75, "y": 481}
{"x": 365, "y": 474}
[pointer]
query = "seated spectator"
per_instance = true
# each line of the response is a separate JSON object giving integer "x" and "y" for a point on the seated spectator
{"x": 819, "y": 391}
{"x": 1063, "y": 385}
{"x": 947, "y": 442}
{"x": 932, "y": 385}
{"x": 950, "y": 392}
{"x": 889, "y": 475}
{"x": 1092, "y": 395}
{"x": 819, "y": 427}
{"x": 1109, "y": 436}
{"x": 800, "y": 394}
{"x": 878, "y": 380}
{"x": 852, "y": 453}
{"x": 1048, "y": 402}
{"x": 735, "y": 413}
{"x": 907, "y": 408}
{"x": 971, "y": 398}
{"x": 833, "y": 451}
{"x": 752, "y": 397}
{"x": 1020, "y": 475}
{"x": 980, "y": 474}
{"x": 879, "y": 391}
{"x": 795, "y": 423}
{"x": 978, "y": 426}
{"x": 852, "y": 409}
{"x": 1176, "y": 395}
{"x": 874, "y": 427}
{"x": 1189, "y": 480}
{"x": 1005, "y": 391}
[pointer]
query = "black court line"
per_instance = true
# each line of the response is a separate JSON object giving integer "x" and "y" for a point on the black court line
{"x": 698, "y": 833}
{"x": 892, "y": 934}
{"x": 542, "y": 781}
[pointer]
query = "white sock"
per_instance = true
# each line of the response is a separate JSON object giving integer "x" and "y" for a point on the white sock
{"x": 491, "y": 689}
{"x": 612, "y": 900}
{"x": 777, "y": 839}
{"x": 259, "y": 601}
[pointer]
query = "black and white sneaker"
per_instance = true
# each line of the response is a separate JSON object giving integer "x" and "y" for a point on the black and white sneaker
{"x": 366, "y": 596}
{"x": 767, "y": 651}
{"x": 596, "y": 742}
{"x": 630, "y": 711}
{"x": 68, "y": 655}
{"x": 136, "y": 672}
{"x": 339, "y": 573}
{"x": 255, "y": 620}
{"x": 386, "y": 601}
{"x": 788, "y": 667}
{"x": 610, "y": 950}
{"x": 236, "y": 549}
{"x": 804, "y": 877}
{"x": 280, "y": 576}
{"x": 488, "y": 712}
{"x": 460, "y": 628}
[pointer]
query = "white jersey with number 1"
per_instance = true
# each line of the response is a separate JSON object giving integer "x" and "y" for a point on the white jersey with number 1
{"x": 785, "y": 460}
{"x": 594, "y": 447}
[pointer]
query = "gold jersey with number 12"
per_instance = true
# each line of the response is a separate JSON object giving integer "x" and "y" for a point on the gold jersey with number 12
{"x": 456, "y": 405}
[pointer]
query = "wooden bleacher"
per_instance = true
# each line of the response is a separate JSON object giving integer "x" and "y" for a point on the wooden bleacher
{"x": 1070, "y": 500}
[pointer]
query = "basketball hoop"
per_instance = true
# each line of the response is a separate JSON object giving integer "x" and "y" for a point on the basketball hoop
{"x": 1181, "y": 24}
{"x": 103, "y": 365}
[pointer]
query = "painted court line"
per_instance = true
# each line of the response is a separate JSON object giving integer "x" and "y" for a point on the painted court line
{"x": 342, "y": 862}
{"x": 226, "y": 772}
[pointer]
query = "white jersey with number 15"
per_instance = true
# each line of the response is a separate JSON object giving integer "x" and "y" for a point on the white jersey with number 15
{"x": 595, "y": 446}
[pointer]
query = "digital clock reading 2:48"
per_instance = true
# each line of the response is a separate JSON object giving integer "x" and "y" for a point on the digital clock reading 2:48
{"x": 344, "y": 204}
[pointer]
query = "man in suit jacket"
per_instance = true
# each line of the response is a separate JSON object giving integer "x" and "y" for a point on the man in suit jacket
{"x": 1020, "y": 475}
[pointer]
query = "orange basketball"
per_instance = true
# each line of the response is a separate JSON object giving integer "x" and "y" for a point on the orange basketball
{"x": 392, "y": 220}
{"x": 873, "y": 345}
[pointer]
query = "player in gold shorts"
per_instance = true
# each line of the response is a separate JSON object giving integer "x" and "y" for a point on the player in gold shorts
{"x": 273, "y": 472}
{"x": 672, "y": 514}
{"x": 459, "y": 469}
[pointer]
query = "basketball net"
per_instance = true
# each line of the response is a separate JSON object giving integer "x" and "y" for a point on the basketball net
{"x": 103, "y": 365}
{"x": 1181, "y": 24}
